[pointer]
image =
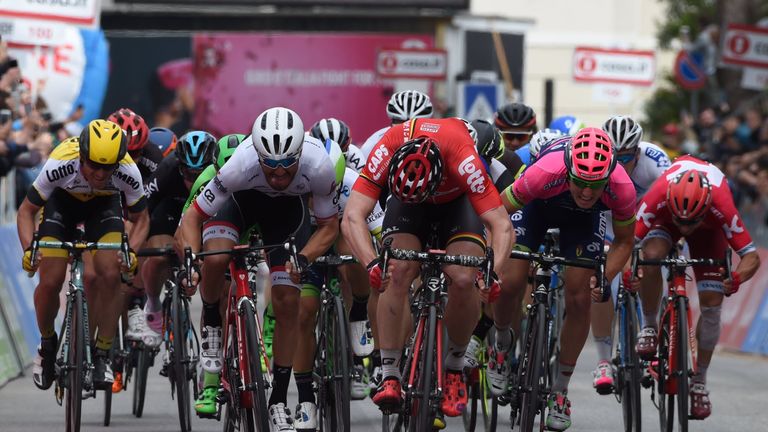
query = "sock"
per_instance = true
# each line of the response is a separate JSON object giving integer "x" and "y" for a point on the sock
{"x": 651, "y": 320}
{"x": 563, "y": 378}
{"x": 359, "y": 310}
{"x": 304, "y": 386}
{"x": 482, "y": 327}
{"x": 281, "y": 378}
{"x": 701, "y": 374}
{"x": 454, "y": 361}
{"x": 604, "y": 347}
{"x": 268, "y": 311}
{"x": 503, "y": 338}
{"x": 103, "y": 344}
{"x": 153, "y": 303}
{"x": 210, "y": 379}
{"x": 211, "y": 314}
{"x": 376, "y": 358}
{"x": 390, "y": 363}
{"x": 48, "y": 333}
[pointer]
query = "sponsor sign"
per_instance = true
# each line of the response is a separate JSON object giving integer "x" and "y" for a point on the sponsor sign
{"x": 614, "y": 66}
{"x": 412, "y": 63}
{"x": 79, "y": 12}
{"x": 745, "y": 45}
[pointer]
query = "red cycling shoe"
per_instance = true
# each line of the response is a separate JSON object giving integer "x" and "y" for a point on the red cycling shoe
{"x": 388, "y": 395}
{"x": 454, "y": 394}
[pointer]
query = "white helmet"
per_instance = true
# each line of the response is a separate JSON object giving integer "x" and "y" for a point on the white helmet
{"x": 624, "y": 132}
{"x": 409, "y": 104}
{"x": 540, "y": 138}
{"x": 278, "y": 133}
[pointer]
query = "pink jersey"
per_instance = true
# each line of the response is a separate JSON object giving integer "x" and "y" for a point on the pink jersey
{"x": 653, "y": 211}
{"x": 548, "y": 177}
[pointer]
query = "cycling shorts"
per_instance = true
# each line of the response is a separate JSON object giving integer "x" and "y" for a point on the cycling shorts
{"x": 63, "y": 212}
{"x": 706, "y": 243}
{"x": 278, "y": 217}
{"x": 165, "y": 217}
{"x": 582, "y": 233}
{"x": 454, "y": 221}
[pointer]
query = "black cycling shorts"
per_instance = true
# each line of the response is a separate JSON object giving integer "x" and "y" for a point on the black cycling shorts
{"x": 63, "y": 212}
{"x": 453, "y": 221}
{"x": 165, "y": 217}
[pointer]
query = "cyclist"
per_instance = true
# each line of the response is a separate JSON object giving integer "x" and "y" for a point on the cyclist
{"x": 338, "y": 131}
{"x": 434, "y": 175}
{"x": 82, "y": 182}
{"x": 567, "y": 124}
{"x": 264, "y": 182}
{"x": 163, "y": 138}
{"x": 570, "y": 185}
{"x": 166, "y": 191}
{"x": 692, "y": 200}
{"x": 540, "y": 140}
{"x": 144, "y": 152}
{"x": 402, "y": 106}
{"x": 644, "y": 162}
{"x": 517, "y": 122}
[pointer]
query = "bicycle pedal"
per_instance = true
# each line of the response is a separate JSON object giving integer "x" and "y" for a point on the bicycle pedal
{"x": 646, "y": 381}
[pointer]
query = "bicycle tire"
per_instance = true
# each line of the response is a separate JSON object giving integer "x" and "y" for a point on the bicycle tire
{"x": 630, "y": 376}
{"x": 253, "y": 353}
{"x": 469, "y": 415}
{"x": 490, "y": 404}
{"x": 341, "y": 367}
{"x": 682, "y": 363}
{"x": 180, "y": 371}
{"x": 236, "y": 417}
{"x": 665, "y": 401}
{"x": 107, "y": 406}
{"x": 75, "y": 363}
{"x": 425, "y": 383}
{"x": 536, "y": 369}
{"x": 141, "y": 372}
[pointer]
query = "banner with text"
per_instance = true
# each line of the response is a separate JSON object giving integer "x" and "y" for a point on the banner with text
{"x": 78, "y": 12}
{"x": 237, "y": 76}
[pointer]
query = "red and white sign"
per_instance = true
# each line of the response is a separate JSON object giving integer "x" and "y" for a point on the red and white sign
{"x": 746, "y": 45}
{"x": 79, "y": 12}
{"x": 412, "y": 63}
{"x": 614, "y": 66}
{"x": 22, "y": 33}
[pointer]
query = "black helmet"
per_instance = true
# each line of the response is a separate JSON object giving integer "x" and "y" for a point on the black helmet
{"x": 490, "y": 145}
{"x": 515, "y": 115}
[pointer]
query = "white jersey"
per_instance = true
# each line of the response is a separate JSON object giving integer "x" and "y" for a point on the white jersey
{"x": 496, "y": 169}
{"x": 375, "y": 219}
{"x": 651, "y": 162}
{"x": 372, "y": 141}
{"x": 354, "y": 158}
{"x": 316, "y": 176}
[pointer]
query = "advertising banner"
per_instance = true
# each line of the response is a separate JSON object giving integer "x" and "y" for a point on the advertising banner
{"x": 614, "y": 66}
{"x": 745, "y": 45}
{"x": 79, "y": 12}
{"x": 237, "y": 76}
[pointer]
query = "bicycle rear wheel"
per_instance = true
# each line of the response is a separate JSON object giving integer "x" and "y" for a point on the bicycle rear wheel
{"x": 75, "y": 366}
{"x": 489, "y": 404}
{"x": 255, "y": 379}
{"x": 535, "y": 370}
{"x": 143, "y": 362}
{"x": 341, "y": 366}
{"x": 107, "y": 406}
{"x": 630, "y": 374}
{"x": 179, "y": 329}
{"x": 469, "y": 416}
{"x": 682, "y": 363}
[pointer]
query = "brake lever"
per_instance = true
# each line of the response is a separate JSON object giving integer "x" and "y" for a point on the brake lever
{"x": 488, "y": 271}
{"x": 290, "y": 246}
{"x": 35, "y": 249}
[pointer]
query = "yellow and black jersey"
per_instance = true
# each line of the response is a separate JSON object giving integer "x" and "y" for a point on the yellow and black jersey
{"x": 62, "y": 170}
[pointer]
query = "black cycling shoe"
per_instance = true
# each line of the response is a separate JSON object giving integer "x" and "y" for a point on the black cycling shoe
{"x": 102, "y": 371}
{"x": 44, "y": 368}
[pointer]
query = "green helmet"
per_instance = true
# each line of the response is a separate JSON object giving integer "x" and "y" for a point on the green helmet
{"x": 225, "y": 148}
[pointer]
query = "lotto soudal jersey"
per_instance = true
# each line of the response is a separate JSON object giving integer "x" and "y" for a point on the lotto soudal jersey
{"x": 653, "y": 211}
{"x": 62, "y": 170}
{"x": 316, "y": 176}
{"x": 463, "y": 171}
{"x": 372, "y": 141}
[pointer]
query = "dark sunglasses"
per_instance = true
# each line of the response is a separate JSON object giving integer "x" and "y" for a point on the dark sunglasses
{"x": 690, "y": 222}
{"x": 189, "y": 174}
{"x": 625, "y": 158}
{"x": 101, "y": 167}
{"x": 583, "y": 184}
{"x": 277, "y": 163}
{"x": 521, "y": 136}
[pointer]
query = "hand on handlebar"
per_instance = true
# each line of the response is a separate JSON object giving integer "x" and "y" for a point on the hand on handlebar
{"x": 731, "y": 284}
{"x": 488, "y": 294}
{"x": 376, "y": 279}
{"x": 631, "y": 284}
{"x": 600, "y": 294}
{"x": 190, "y": 287}
{"x": 133, "y": 263}
{"x": 26, "y": 261}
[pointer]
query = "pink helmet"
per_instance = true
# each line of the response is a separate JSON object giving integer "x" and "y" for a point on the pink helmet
{"x": 589, "y": 156}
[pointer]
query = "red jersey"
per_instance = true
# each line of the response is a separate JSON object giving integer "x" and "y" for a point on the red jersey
{"x": 463, "y": 171}
{"x": 653, "y": 211}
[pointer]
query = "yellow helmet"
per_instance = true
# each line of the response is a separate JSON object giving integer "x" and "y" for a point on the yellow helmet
{"x": 103, "y": 142}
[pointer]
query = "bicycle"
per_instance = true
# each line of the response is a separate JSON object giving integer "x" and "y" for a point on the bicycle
{"x": 423, "y": 370}
{"x": 74, "y": 364}
{"x": 333, "y": 356}
{"x": 676, "y": 355}
{"x": 478, "y": 393}
{"x": 243, "y": 388}
{"x": 534, "y": 377}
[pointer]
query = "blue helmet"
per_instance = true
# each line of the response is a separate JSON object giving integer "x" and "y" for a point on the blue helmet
{"x": 195, "y": 149}
{"x": 567, "y": 124}
{"x": 164, "y": 138}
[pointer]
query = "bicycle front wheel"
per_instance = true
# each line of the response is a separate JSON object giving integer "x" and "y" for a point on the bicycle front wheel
{"x": 75, "y": 366}
{"x": 534, "y": 377}
{"x": 143, "y": 362}
{"x": 255, "y": 378}
{"x": 682, "y": 363}
{"x": 421, "y": 405}
{"x": 631, "y": 370}
{"x": 666, "y": 399}
{"x": 179, "y": 329}
{"x": 340, "y": 367}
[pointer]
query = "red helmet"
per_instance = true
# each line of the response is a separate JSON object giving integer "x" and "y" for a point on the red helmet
{"x": 415, "y": 171}
{"x": 689, "y": 196}
{"x": 589, "y": 156}
{"x": 134, "y": 127}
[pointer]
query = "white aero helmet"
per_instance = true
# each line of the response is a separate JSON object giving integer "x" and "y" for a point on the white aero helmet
{"x": 540, "y": 138}
{"x": 409, "y": 104}
{"x": 624, "y": 132}
{"x": 277, "y": 134}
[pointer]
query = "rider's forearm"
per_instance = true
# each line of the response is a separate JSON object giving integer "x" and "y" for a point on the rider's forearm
{"x": 356, "y": 232}
{"x": 188, "y": 233}
{"x": 25, "y": 222}
{"x": 748, "y": 266}
{"x": 139, "y": 230}
{"x": 618, "y": 255}
{"x": 502, "y": 236}
{"x": 322, "y": 239}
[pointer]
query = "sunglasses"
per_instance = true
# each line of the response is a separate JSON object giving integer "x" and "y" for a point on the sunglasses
{"x": 583, "y": 184}
{"x": 189, "y": 174}
{"x": 689, "y": 222}
{"x": 625, "y": 158}
{"x": 100, "y": 167}
{"x": 522, "y": 136}
{"x": 275, "y": 163}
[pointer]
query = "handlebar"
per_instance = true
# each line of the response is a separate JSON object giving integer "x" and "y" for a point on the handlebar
{"x": 681, "y": 262}
{"x": 548, "y": 260}
{"x": 77, "y": 246}
{"x": 439, "y": 257}
{"x": 335, "y": 260}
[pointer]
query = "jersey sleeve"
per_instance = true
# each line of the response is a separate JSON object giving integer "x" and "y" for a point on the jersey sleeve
{"x": 730, "y": 220}
{"x": 621, "y": 197}
{"x": 200, "y": 182}
{"x": 46, "y": 183}
{"x": 324, "y": 190}
{"x": 374, "y": 175}
{"x": 232, "y": 177}
{"x": 536, "y": 181}
{"x": 650, "y": 208}
{"x": 128, "y": 181}
{"x": 467, "y": 166}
